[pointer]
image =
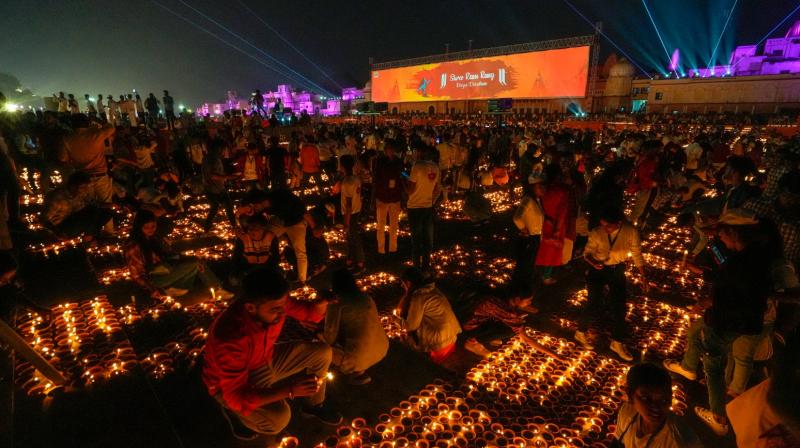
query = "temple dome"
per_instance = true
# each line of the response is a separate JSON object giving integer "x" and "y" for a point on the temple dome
{"x": 622, "y": 69}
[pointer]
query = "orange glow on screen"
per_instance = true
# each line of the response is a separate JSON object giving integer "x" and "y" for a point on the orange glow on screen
{"x": 539, "y": 74}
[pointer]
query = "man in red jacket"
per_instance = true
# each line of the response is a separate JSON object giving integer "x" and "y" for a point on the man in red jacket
{"x": 643, "y": 184}
{"x": 251, "y": 376}
{"x": 309, "y": 160}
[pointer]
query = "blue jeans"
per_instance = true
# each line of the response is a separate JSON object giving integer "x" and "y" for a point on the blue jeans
{"x": 714, "y": 347}
{"x": 740, "y": 363}
{"x": 183, "y": 274}
{"x": 421, "y": 222}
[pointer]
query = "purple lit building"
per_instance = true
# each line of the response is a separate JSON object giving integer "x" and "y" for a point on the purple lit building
{"x": 761, "y": 78}
{"x": 779, "y": 56}
{"x": 291, "y": 99}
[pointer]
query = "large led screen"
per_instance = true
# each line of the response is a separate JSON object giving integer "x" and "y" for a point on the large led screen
{"x": 538, "y": 74}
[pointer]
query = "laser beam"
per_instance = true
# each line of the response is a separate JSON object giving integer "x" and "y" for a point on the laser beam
{"x": 658, "y": 33}
{"x": 194, "y": 24}
{"x": 299, "y": 77}
{"x": 727, "y": 21}
{"x": 771, "y": 31}
{"x": 287, "y": 42}
{"x": 598, "y": 30}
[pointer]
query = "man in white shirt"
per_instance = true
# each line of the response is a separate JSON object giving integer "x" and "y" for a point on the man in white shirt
{"x": 423, "y": 187}
{"x": 111, "y": 110}
{"x": 693, "y": 154}
{"x": 63, "y": 103}
{"x": 91, "y": 110}
{"x": 610, "y": 245}
{"x": 101, "y": 108}
{"x": 445, "y": 150}
{"x": 529, "y": 218}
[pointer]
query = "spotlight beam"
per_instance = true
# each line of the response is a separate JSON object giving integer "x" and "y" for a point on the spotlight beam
{"x": 771, "y": 31}
{"x": 195, "y": 25}
{"x": 598, "y": 30}
{"x": 658, "y": 33}
{"x": 287, "y": 42}
{"x": 722, "y": 33}
{"x": 307, "y": 82}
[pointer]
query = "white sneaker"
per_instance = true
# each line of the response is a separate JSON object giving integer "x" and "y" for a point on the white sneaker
{"x": 618, "y": 348}
{"x": 708, "y": 417}
{"x": 176, "y": 292}
{"x": 675, "y": 367}
{"x": 584, "y": 340}
{"x": 222, "y": 294}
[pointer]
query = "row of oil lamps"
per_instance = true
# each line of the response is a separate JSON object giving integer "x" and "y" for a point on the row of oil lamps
{"x": 464, "y": 264}
{"x": 88, "y": 341}
{"x": 500, "y": 200}
{"x": 517, "y": 397}
{"x": 658, "y": 329}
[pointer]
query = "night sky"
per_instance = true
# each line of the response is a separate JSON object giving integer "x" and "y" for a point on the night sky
{"x": 112, "y": 46}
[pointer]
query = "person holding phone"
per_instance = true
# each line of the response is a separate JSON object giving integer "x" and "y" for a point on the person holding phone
{"x": 741, "y": 287}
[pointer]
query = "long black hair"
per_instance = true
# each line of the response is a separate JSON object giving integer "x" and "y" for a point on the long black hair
{"x": 149, "y": 246}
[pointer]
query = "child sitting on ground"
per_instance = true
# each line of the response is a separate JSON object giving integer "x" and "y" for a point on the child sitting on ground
{"x": 253, "y": 247}
{"x": 646, "y": 420}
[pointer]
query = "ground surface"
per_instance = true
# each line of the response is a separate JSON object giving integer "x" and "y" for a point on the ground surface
{"x": 137, "y": 409}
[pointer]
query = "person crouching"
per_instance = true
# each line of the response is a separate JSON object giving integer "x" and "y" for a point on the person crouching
{"x": 251, "y": 376}
{"x": 427, "y": 316}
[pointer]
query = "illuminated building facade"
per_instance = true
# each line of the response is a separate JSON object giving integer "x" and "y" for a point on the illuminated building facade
{"x": 296, "y": 101}
{"x": 779, "y": 56}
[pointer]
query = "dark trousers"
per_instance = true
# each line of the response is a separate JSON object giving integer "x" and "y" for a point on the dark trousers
{"x": 611, "y": 304}
{"x": 278, "y": 179}
{"x": 526, "y": 250}
{"x": 355, "y": 247}
{"x": 648, "y": 208}
{"x": 421, "y": 222}
{"x": 152, "y": 118}
{"x": 329, "y": 167}
{"x": 252, "y": 185}
{"x": 215, "y": 200}
{"x": 317, "y": 180}
{"x": 317, "y": 250}
{"x": 89, "y": 220}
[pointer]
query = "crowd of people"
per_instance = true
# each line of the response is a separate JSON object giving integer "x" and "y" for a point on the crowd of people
{"x": 128, "y": 108}
{"x": 736, "y": 187}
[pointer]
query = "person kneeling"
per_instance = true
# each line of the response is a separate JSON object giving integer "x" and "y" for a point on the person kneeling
{"x": 646, "y": 420}
{"x": 427, "y": 316}
{"x": 353, "y": 328}
{"x": 251, "y": 376}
